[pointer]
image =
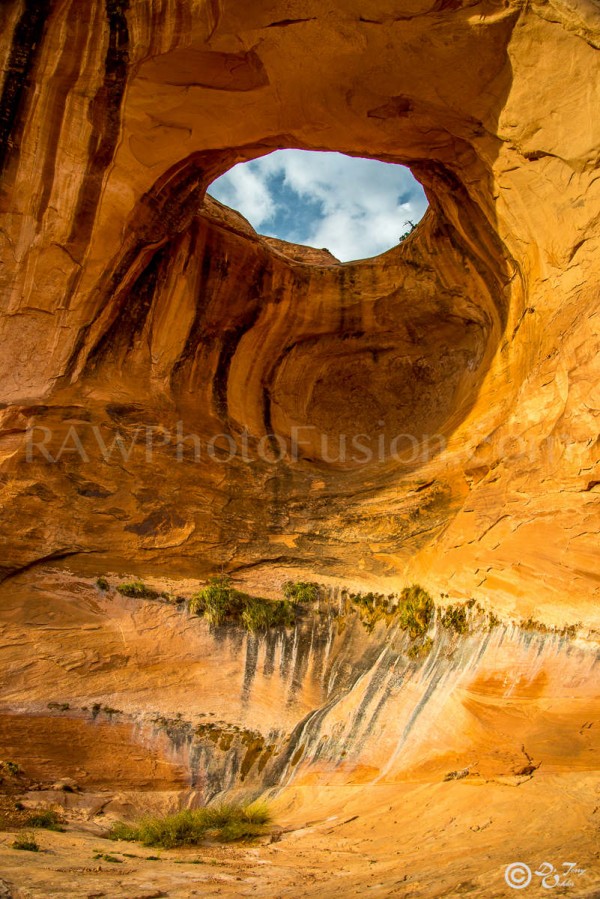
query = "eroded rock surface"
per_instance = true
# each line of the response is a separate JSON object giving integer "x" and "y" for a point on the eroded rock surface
{"x": 354, "y": 738}
{"x": 129, "y": 304}
{"x": 158, "y": 357}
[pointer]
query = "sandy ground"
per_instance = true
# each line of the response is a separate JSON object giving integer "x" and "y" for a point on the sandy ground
{"x": 417, "y": 840}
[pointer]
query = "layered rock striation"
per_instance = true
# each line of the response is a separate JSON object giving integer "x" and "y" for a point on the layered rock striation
{"x": 180, "y": 396}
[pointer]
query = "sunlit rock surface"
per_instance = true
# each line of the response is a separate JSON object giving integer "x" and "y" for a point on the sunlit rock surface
{"x": 132, "y": 308}
{"x": 351, "y": 736}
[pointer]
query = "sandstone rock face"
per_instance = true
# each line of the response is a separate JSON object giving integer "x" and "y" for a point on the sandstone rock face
{"x": 129, "y": 305}
{"x": 327, "y": 701}
{"x": 181, "y": 396}
{"x": 363, "y": 749}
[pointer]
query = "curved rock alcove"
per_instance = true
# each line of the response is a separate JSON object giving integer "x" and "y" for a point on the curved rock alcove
{"x": 174, "y": 315}
{"x": 182, "y": 397}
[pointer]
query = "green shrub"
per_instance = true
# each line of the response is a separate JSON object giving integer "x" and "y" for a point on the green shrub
{"x": 120, "y": 831}
{"x": 138, "y": 590}
{"x": 219, "y": 602}
{"x": 189, "y": 827}
{"x": 239, "y": 830}
{"x": 531, "y": 624}
{"x": 408, "y": 232}
{"x": 301, "y": 591}
{"x": 418, "y": 650}
{"x": 47, "y": 819}
{"x": 132, "y": 588}
{"x": 370, "y": 600}
{"x": 260, "y": 614}
{"x": 11, "y": 768}
{"x": 415, "y": 611}
{"x": 493, "y": 620}
{"x": 454, "y": 618}
{"x": 371, "y": 608}
{"x": 570, "y": 630}
{"x": 27, "y": 842}
{"x": 102, "y": 584}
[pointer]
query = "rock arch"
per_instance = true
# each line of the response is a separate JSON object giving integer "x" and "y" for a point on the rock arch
{"x": 132, "y": 303}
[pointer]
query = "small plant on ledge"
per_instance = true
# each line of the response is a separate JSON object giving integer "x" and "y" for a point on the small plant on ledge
{"x": 301, "y": 591}
{"x": 419, "y": 650}
{"x": 221, "y": 603}
{"x": 59, "y": 706}
{"x": 261, "y": 614}
{"x": 371, "y": 608}
{"x": 415, "y": 611}
{"x": 454, "y": 618}
{"x": 139, "y": 590}
{"x": 407, "y": 233}
{"x": 11, "y": 768}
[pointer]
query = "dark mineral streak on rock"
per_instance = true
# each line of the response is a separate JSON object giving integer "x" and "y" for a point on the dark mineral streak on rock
{"x": 18, "y": 80}
{"x": 105, "y": 116}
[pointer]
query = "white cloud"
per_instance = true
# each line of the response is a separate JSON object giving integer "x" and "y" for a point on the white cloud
{"x": 364, "y": 204}
{"x": 248, "y": 192}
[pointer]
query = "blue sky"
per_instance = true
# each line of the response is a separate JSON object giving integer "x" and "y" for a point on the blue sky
{"x": 355, "y": 207}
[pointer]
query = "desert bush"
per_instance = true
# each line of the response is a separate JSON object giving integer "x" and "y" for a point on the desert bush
{"x": 220, "y": 602}
{"x": 120, "y": 831}
{"x": 493, "y": 620}
{"x": 48, "y": 819}
{"x": 532, "y": 624}
{"x": 102, "y": 584}
{"x": 106, "y": 857}
{"x": 454, "y": 618}
{"x": 189, "y": 827}
{"x": 26, "y": 841}
{"x": 301, "y": 591}
{"x": 419, "y": 650}
{"x": 408, "y": 232}
{"x": 570, "y": 630}
{"x": 260, "y": 614}
{"x": 371, "y": 608}
{"x": 415, "y": 611}
{"x": 138, "y": 590}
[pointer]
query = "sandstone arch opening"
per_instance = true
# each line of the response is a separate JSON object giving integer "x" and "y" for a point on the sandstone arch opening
{"x": 353, "y": 207}
{"x": 377, "y": 361}
{"x": 176, "y": 311}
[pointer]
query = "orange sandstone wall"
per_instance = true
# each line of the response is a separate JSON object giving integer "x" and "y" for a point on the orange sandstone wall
{"x": 128, "y": 303}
